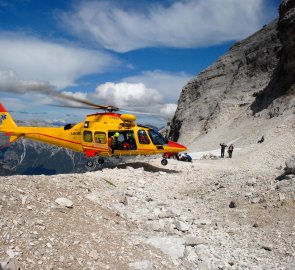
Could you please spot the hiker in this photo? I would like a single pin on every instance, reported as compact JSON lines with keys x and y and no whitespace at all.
{"x":223,"y":146}
{"x":230,"y":150}
{"x":113,"y":142}
{"x":185,"y":157}
{"x":188,"y":157}
{"x":261,"y":140}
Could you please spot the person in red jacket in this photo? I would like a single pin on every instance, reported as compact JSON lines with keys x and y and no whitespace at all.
{"x":113,"y":142}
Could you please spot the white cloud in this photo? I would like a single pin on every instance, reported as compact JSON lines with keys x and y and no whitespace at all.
{"x":168,"y":110}
{"x":41,"y":92}
{"x":150,"y":92}
{"x":10,"y":82}
{"x":32,"y":106}
{"x":168,"y":84}
{"x":125,"y":94}
{"x":182,"y":24}
{"x":76,"y":95}
{"x":50,"y":63}
{"x":134,"y":96}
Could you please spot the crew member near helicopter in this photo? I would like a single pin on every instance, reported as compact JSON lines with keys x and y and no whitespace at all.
{"x":113,"y":142}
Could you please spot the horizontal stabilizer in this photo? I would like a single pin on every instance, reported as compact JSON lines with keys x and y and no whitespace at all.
{"x":14,"y":138}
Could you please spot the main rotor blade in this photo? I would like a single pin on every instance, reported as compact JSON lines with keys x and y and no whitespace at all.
{"x":71,"y":106}
{"x":91,"y":108}
{"x":137,"y":112}
{"x":86,"y":102}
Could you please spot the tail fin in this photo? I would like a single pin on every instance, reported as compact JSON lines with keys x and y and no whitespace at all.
{"x":6,"y":121}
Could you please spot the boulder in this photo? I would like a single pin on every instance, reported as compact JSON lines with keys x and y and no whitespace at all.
{"x":290,"y":165}
{"x":65,"y":202}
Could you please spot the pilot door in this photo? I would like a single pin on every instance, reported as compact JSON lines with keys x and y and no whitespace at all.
{"x":145,"y":145}
{"x":158,"y":140}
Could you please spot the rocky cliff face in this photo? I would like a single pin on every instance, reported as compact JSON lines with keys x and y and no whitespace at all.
{"x":256,"y":77}
{"x":279,"y":95}
{"x":219,"y":92}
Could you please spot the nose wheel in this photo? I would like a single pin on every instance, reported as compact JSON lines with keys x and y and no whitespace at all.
{"x":164,"y":161}
{"x":89,"y":163}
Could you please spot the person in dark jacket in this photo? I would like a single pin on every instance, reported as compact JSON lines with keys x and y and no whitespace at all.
{"x":185,"y":157}
{"x":223,"y":146}
{"x":230,"y":150}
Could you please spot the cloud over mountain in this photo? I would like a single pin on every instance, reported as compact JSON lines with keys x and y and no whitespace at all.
{"x":127,"y":94}
{"x":182,"y":24}
{"x":134,"y":96}
{"x":169,"y":84}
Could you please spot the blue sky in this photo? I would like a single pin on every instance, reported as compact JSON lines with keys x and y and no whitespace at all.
{"x":131,"y":54}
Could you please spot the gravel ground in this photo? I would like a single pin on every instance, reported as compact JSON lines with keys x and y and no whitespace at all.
{"x":209,"y":214}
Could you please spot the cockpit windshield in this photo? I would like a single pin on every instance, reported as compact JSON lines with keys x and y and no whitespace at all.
{"x":157,"y":138}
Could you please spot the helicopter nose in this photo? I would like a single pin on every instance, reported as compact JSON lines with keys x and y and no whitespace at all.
{"x":177,"y":146}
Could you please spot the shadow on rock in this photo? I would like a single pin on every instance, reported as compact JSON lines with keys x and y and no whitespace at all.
{"x":147,"y":167}
{"x":281,"y":177}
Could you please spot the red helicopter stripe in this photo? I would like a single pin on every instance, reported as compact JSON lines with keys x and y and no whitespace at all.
{"x":52,"y":137}
{"x":64,"y":140}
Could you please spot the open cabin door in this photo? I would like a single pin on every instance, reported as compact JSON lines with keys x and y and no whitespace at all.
{"x":125,"y":143}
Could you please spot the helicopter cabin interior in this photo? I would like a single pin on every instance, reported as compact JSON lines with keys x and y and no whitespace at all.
{"x":127,"y":140}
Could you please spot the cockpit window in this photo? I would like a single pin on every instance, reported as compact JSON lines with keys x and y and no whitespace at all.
{"x":157,"y":138}
{"x":142,"y":137}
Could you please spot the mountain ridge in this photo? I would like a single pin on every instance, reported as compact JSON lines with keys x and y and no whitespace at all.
{"x":254,"y":79}
{"x":217,"y":93}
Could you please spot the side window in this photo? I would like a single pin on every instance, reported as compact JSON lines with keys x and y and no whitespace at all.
{"x":142,"y":137}
{"x":157,"y":138}
{"x":100,"y":137}
{"x":87,"y":136}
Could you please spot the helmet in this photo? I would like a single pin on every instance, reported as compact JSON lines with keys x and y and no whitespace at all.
{"x":116,"y":134}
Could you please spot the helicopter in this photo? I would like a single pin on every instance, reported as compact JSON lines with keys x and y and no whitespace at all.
{"x":92,"y":136}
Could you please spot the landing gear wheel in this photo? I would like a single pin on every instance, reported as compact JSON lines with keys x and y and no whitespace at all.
{"x":89,"y":163}
{"x":164,"y":161}
{"x":100,"y":160}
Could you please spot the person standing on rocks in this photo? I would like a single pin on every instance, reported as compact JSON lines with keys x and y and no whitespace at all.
{"x":230,"y":150}
{"x":223,"y":146}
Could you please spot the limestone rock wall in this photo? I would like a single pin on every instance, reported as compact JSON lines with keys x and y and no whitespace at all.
{"x":255,"y":79}
{"x":279,"y":95}
{"x":228,"y":87}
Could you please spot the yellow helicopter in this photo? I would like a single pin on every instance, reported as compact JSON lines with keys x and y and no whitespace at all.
{"x":102,"y":134}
